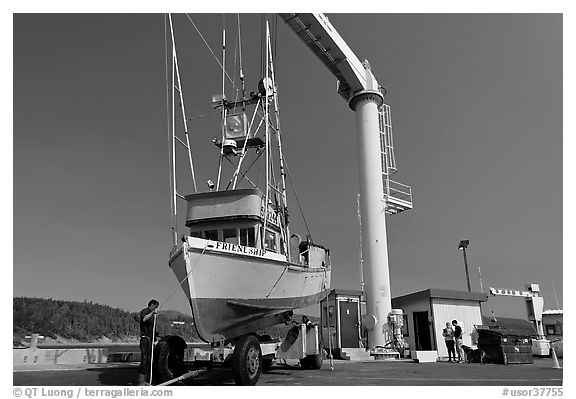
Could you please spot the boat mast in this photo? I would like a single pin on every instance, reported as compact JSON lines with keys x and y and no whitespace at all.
{"x":267,"y":139}
{"x":284,"y":211}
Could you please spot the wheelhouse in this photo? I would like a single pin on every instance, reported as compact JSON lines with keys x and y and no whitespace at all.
{"x":242,"y":217}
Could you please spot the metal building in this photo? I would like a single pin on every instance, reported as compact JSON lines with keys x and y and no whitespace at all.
{"x":553,"y":322}
{"x":340,"y":317}
{"x":426,"y":313}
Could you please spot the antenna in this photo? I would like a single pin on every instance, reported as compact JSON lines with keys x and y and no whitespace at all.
{"x":554,"y":290}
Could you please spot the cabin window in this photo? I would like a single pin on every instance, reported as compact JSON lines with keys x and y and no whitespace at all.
{"x":229,"y":236}
{"x":196,"y":234}
{"x":270,"y":241}
{"x":247,"y":237}
{"x":211,"y":235}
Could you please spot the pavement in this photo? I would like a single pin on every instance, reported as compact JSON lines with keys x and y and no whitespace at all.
{"x":345,"y":373}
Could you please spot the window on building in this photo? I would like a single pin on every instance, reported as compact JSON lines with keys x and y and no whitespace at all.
{"x":211,"y":235}
{"x":329,"y":316}
{"x":553,"y":329}
{"x":270,"y":241}
{"x":229,"y":236}
{"x":247,"y":237}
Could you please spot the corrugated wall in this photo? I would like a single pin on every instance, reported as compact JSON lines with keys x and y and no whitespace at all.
{"x":467,"y":313}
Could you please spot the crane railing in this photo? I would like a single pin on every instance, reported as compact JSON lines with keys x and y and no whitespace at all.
{"x":398,"y":196}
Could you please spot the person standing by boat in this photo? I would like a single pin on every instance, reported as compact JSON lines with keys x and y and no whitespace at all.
{"x":458,"y":341}
{"x":146,"y":333}
{"x":448,"y":334}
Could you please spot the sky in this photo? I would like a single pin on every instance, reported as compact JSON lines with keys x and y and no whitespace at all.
{"x":477,"y":116}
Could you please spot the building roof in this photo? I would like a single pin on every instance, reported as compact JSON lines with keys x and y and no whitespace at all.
{"x":344,"y":292}
{"x":553,"y":311}
{"x":441,"y":293}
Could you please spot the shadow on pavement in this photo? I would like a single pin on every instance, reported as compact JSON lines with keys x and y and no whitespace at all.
{"x":115,"y":376}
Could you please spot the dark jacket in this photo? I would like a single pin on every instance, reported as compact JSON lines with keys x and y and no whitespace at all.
{"x":146,"y":327}
{"x":457,"y":332}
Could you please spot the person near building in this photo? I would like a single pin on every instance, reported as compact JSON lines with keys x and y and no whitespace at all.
{"x":458,"y":341}
{"x":146,"y":334}
{"x":448,"y":334}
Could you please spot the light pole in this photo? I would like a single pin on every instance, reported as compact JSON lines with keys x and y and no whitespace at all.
{"x":463,"y":245}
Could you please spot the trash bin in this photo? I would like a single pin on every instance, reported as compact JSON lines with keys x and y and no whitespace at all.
{"x":505,"y":346}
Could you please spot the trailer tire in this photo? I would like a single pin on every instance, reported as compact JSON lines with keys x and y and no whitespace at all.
{"x":169,"y":358}
{"x":313,"y":362}
{"x":247,"y":361}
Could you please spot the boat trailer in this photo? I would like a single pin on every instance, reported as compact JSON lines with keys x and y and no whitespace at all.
{"x":248,"y":355}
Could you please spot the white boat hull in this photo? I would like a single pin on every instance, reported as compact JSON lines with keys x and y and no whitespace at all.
{"x":234,"y":290}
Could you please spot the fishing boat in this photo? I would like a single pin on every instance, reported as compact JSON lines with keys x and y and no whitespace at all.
{"x":238,"y":263}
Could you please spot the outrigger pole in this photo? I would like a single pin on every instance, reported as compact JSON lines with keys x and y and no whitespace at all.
{"x":176,"y":86}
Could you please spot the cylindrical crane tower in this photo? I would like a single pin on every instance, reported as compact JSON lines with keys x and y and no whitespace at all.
{"x":372,"y":207}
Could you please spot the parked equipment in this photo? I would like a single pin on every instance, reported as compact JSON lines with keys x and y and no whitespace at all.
{"x":534,"y":306}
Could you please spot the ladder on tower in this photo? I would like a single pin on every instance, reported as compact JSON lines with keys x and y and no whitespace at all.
{"x":398,"y":196}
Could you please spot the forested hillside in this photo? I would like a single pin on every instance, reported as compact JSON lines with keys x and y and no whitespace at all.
{"x":87,"y":321}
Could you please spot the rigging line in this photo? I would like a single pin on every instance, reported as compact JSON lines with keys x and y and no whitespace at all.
{"x":173,"y":227}
{"x":297,"y":199}
{"x":182,"y":108}
{"x":267,"y":141}
{"x":209,"y":48}
{"x":173,"y":130}
{"x":262,"y":19}
{"x":237,"y":49}
{"x":240,"y":53}
{"x":199,"y":116}
{"x":185,"y":278}
{"x":234,"y":90}
{"x":152,"y":344}
{"x":259,"y":168}
{"x":239,"y":179}
{"x":325,"y":288}
{"x":278,"y":280}
{"x":249,"y":181}
{"x":275,"y":38}
{"x":224,"y":110}
{"x":277,"y":130}
{"x":244,"y":149}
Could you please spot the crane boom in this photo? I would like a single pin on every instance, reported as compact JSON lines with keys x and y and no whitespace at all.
{"x":316,"y":31}
{"x":358,"y":86}
{"x":506,"y":292}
